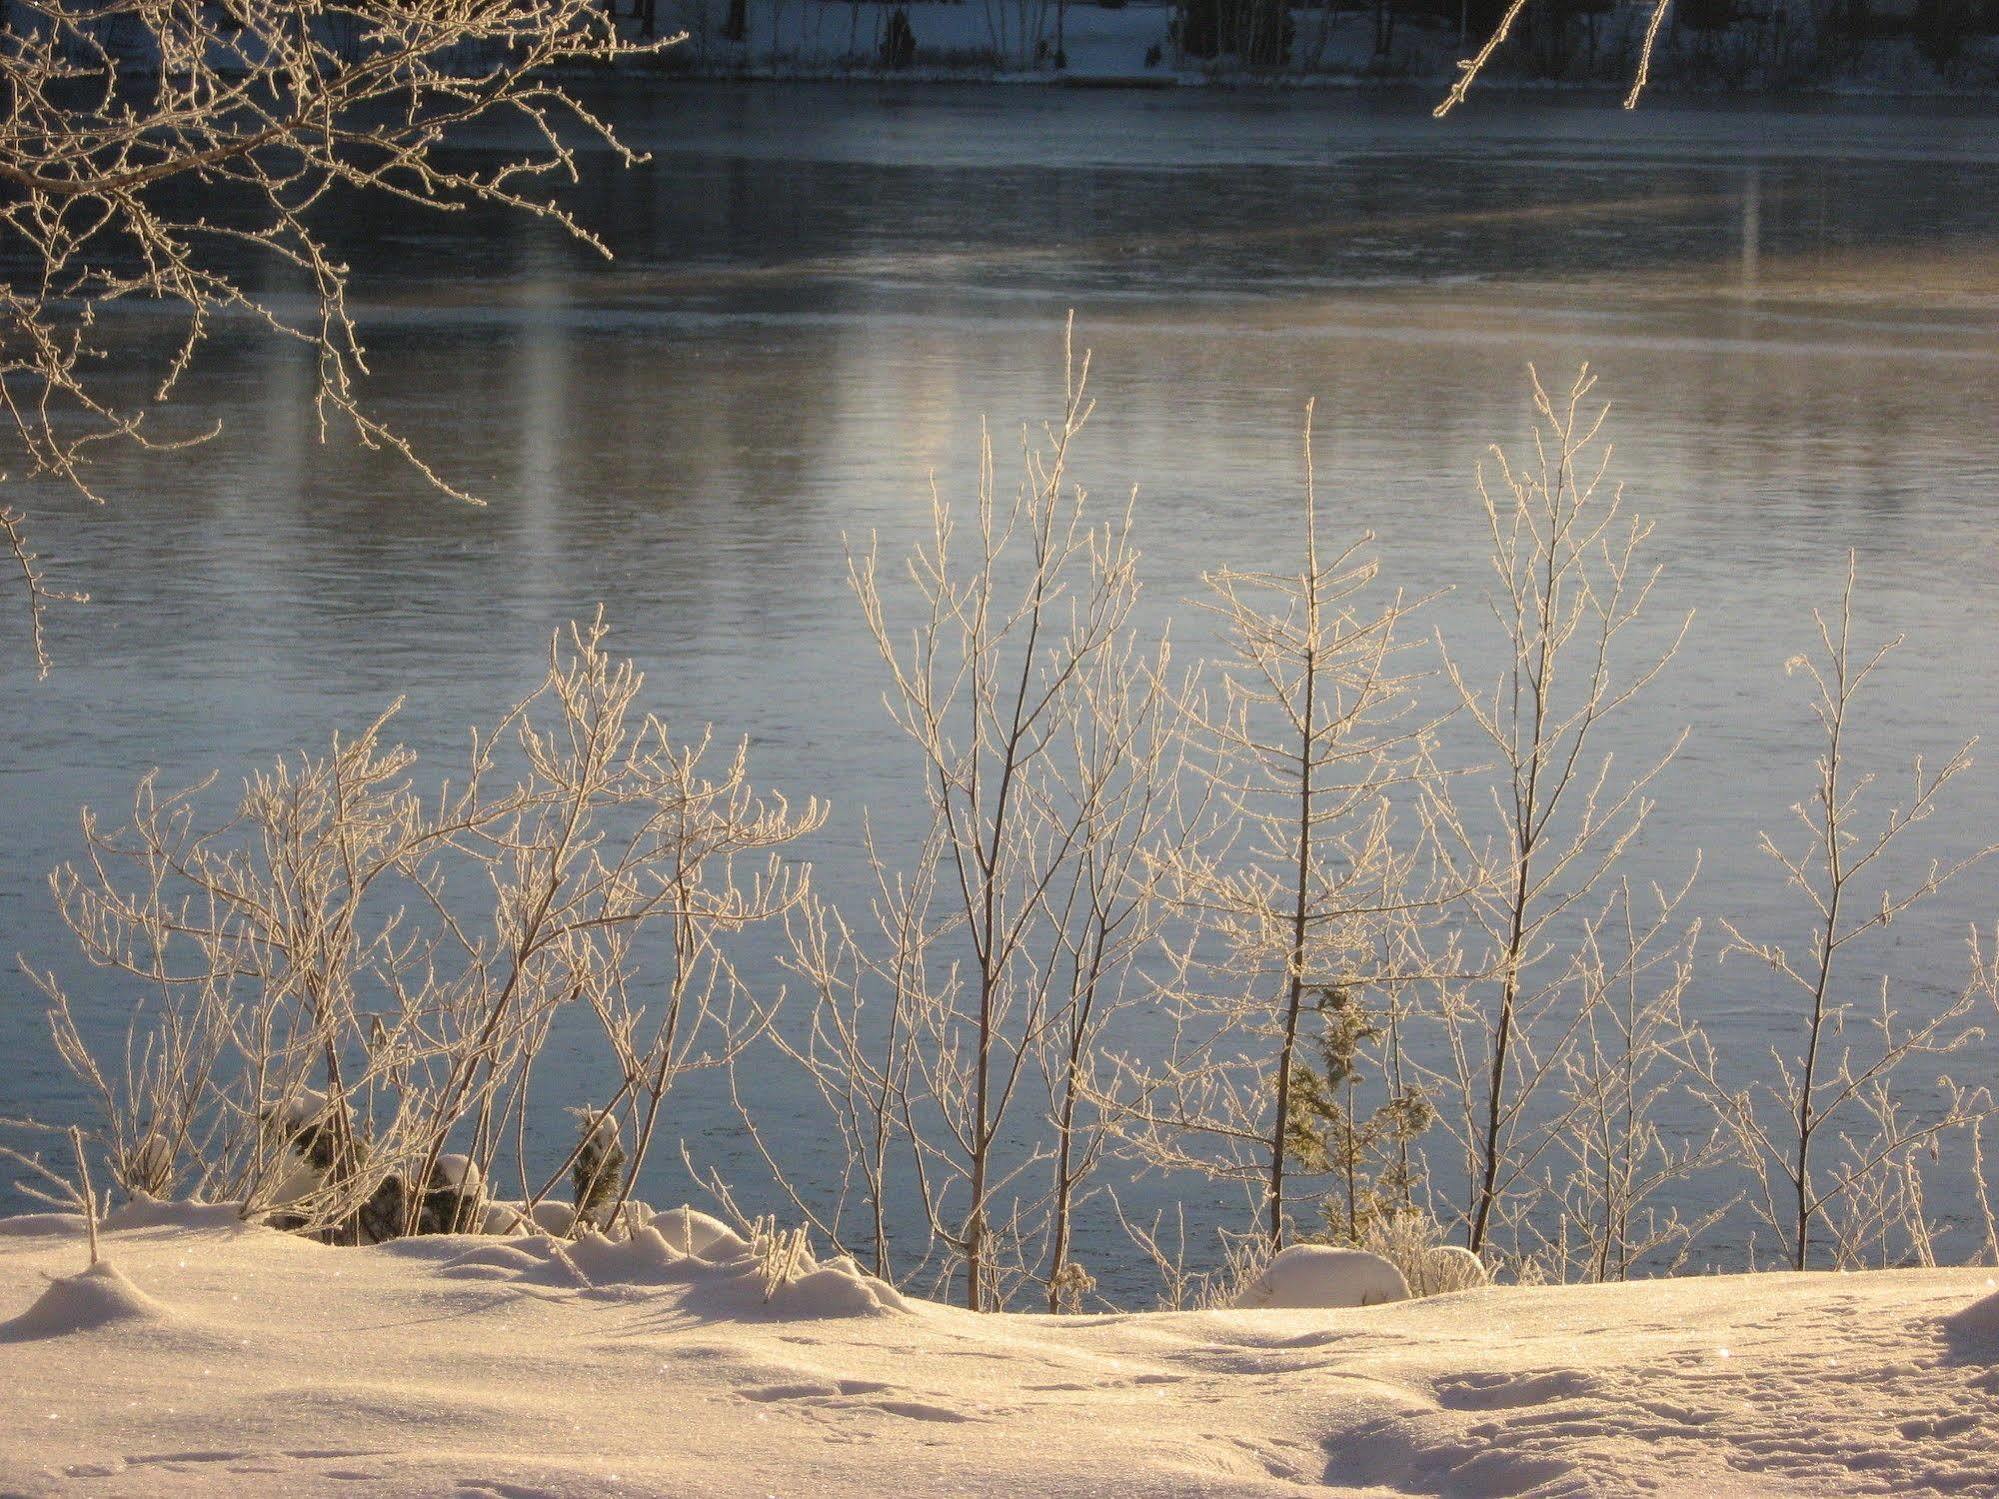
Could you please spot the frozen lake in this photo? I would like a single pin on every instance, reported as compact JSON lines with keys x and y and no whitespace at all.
{"x":818,"y":291}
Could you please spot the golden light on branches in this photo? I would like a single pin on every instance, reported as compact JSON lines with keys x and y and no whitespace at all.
{"x":159,"y":151}
{"x":1471,"y":67}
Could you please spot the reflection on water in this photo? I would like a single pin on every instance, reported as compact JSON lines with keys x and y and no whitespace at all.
{"x":817,"y":293}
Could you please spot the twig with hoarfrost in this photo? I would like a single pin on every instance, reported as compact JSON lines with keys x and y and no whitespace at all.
{"x":1839,"y":869}
{"x":1312,"y":732}
{"x":1572,"y":583}
{"x":171,"y":156}
{"x":367,"y":974}
{"x":1470,"y":68}
{"x":47,"y":1185}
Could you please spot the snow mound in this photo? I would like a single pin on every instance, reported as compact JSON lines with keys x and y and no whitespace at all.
{"x":644,"y":1259}
{"x":553,"y":1218}
{"x":538,"y":1260}
{"x":145,"y":1211}
{"x":726,"y":1279}
{"x":559,"y":1220}
{"x":1450,"y":1267}
{"x":99,"y":1297}
{"x":503,"y":1218}
{"x":694,"y":1232}
{"x":1977,"y":1323}
{"x":1318,"y":1275}
{"x":142,"y":1212}
{"x":838,"y":1289}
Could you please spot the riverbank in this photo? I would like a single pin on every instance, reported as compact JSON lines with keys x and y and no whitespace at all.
{"x":220,"y":1357}
{"x":1136,"y":45}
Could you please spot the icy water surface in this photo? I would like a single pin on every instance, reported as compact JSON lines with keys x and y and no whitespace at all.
{"x":817,"y":292}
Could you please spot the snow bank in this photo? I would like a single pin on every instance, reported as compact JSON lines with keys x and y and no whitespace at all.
{"x":145,"y":1211}
{"x":722,"y":1276}
{"x":812,"y":38}
{"x":95,"y":1298}
{"x":1132,"y":44}
{"x":1977,"y":1324}
{"x":1319,"y":1275}
{"x":693,"y":1232}
{"x":530,"y":1365}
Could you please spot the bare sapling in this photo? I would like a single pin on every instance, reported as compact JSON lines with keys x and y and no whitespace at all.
{"x":1310,"y":734}
{"x":1631,"y":1070}
{"x":1828,"y":1094}
{"x":712,"y":845}
{"x":857,"y":1053}
{"x":1571,"y":586}
{"x":989,"y":686}
{"x":1124,"y":764}
{"x":1015,"y":679}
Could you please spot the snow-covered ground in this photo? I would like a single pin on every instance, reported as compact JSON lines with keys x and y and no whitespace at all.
{"x":219,"y":1358}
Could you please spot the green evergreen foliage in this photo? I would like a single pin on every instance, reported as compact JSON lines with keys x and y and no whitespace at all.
{"x":600,"y":1165}
{"x":1331,"y":1132}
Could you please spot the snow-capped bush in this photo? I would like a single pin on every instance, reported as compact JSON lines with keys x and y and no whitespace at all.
{"x":1319,"y":1275}
{"x":1451,"y":1267}
{"x":1408,"y":1241}
{"x":694,"y":1232}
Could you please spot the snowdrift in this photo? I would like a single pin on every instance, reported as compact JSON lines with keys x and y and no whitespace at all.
{"x":1320,"y":1275}
{"x":723,"y":1276}
{"x":98,"y":1297}
{"x":205,"y":1356}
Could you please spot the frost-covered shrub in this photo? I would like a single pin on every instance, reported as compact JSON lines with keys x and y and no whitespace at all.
{"x":345,"y":979}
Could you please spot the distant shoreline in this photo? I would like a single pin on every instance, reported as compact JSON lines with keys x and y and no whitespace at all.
{"x":1136,"y":46}
{"x":1239,"y":83}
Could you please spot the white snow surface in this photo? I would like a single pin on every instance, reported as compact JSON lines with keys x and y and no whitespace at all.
{"x":1322,"y":1275}
{"x":460,"y":1172}
{"x":235,"y":1359}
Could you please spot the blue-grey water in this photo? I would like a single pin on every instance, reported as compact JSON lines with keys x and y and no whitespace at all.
{"x":817,"y":292}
